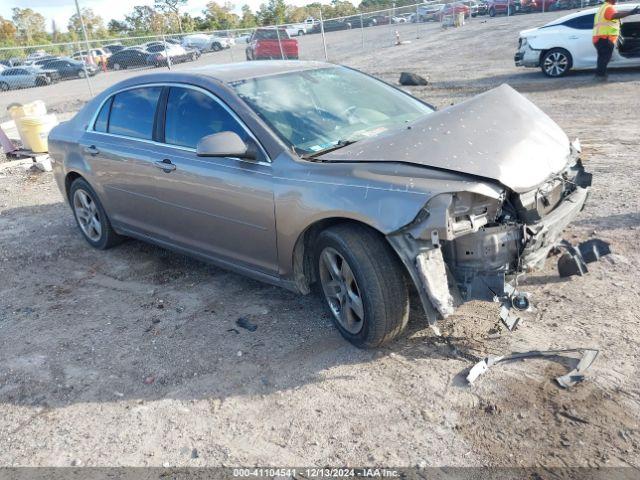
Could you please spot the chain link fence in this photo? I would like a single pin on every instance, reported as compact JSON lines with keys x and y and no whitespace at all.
{"x":74,"y":72}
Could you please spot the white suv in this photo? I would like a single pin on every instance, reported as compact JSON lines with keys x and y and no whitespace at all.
{"x":566,"y":43}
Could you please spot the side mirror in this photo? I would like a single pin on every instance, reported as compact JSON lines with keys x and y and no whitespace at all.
{"x":224,"y":144}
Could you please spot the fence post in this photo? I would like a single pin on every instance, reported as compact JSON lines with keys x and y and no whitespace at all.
{"x":362,"y":29}
{"x":166,"y":53}
{"x":324,"y":40}
{"x":279,"y":42}
{"x":417,"y":21}
{"x":86,"y":41}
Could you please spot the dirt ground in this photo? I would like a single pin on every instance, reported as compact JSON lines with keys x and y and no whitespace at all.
{"x":131,"y":357}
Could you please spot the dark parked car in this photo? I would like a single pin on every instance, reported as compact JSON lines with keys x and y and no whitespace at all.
{"x":332,"y":26}
{"x":69,"y":68}
{"x":127,"y":58}
{"x":307,"y":173}
{"x":114,"y":48}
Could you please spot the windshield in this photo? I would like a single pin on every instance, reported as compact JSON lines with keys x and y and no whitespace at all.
{"x":317,"y":110}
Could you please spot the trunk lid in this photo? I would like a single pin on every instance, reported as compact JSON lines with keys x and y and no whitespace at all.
{"x":498,"y":134}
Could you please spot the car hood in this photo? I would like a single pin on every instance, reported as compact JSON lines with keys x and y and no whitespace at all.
{"x":498,"y":135}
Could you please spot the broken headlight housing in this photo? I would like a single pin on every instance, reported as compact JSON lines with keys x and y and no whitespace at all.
{"x":450,"y":215}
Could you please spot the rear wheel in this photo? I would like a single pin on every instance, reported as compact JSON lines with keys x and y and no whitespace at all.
{"x":216,"y":47}
{"x":117,"y":66}
{"x":556,"y":62}
{"x":363,"y":285}
{"x":4,"y":86}
{"x":91,"y":217}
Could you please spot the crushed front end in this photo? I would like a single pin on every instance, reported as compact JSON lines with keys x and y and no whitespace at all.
{"x":465,"y":246}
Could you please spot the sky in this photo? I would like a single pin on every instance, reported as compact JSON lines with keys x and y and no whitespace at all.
{"x":61,"y":10}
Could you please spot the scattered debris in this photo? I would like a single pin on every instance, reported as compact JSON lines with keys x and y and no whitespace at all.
{"x":246,"y":324}
{"x":408,"y":78}
{"x":570,"y":379}
{"x":573,"y":417}
{"x":233,"y":330}
{"x":574,"y":259}
{"x":512,"y":300}
{"x":149,"y":380}
{"x":194,"y":453}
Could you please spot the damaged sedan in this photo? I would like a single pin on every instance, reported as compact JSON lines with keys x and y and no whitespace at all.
{"x":313,"y":176}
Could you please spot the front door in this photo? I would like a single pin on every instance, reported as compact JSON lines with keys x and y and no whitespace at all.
{"x":219,"y":207}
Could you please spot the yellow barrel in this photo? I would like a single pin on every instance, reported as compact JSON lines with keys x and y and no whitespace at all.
{"x":35,"y":130}
{"x":32,"y":109}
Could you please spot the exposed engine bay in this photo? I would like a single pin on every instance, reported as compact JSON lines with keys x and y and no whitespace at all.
{"x":465,"y":246}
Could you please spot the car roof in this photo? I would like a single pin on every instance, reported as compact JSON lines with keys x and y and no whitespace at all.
{"x":232,"y":72}
{"x":579,"y":13}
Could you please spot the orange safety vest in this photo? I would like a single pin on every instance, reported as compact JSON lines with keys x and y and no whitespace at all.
{"x":603,"y":27}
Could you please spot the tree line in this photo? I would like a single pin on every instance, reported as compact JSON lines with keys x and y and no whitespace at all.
{"x":28,"y":27}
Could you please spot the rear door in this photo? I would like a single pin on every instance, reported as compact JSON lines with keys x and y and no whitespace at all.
{"x":218,"y":207}
{"x":119,"y":149}
{"x":577,"y":33}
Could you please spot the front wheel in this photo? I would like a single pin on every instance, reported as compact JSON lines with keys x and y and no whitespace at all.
{"x":91,"y":217}
{"x":492,"y":12}
{"x":4,"y":86}
{"x":556,"y":62}
{"x":363,"y":285}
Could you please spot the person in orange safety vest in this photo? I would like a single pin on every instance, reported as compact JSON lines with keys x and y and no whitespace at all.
{"x":606,"y":30}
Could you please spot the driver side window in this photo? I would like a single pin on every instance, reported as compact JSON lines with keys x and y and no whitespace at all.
{"x":192,"y":115}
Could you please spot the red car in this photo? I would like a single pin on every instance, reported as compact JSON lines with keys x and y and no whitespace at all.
{"x":453,"y":9}
{"x":538,"y":5}
{"x":499,"y":7}
{"x":269,"y":44}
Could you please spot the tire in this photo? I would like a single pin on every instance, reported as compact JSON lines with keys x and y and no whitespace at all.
{"x":89,"y":214}
{"x":216,"y":47}
{"x":492,"y":12}
{"x":301,"y":33}
{"x":117,"y":66}
{"x":81,"y":74}
{"x":556,"y":63}
{"x":4,"y":87}
{"x":373,"y":308}
{"x":194,"y":57}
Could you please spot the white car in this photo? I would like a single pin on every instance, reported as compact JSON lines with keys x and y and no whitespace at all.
{"x":566,"y":43}
{"x":205,"y":42}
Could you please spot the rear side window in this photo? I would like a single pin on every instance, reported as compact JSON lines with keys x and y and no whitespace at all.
{"x":192,"y":115}
{"x":102,"y":121}
{"x":583,"y":22}
{"x":133,"y":112}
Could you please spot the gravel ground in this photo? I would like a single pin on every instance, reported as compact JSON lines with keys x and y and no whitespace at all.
{"x":132,"y":356}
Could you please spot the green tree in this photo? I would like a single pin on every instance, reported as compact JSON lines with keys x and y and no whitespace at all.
{"x":30,"y":25}
{"x":272,"y":12}
{"x":220,"y":17}
{"x":116,"y":27}
{"x":249,"y":19}
{"x":140,"y":20}
{"x":171,"y":7}
{"x":92,"y":22}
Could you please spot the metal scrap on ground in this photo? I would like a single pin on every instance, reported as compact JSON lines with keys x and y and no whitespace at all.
{"x":565,"y":381}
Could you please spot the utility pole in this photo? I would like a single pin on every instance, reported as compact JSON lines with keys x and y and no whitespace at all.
{"x":86,"y":41}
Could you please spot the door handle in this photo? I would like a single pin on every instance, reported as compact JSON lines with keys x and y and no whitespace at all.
{"x":91,"y":150}
{"x":165,"y":165}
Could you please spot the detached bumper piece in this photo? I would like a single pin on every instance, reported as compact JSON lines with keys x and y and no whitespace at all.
{"x":570,"y":379}
{"x":575,"y":259}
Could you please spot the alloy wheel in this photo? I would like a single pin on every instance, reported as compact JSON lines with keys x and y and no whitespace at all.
{"x":556,"y":64}
{"x":86,"y":212}
{"x":341,"y":290}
